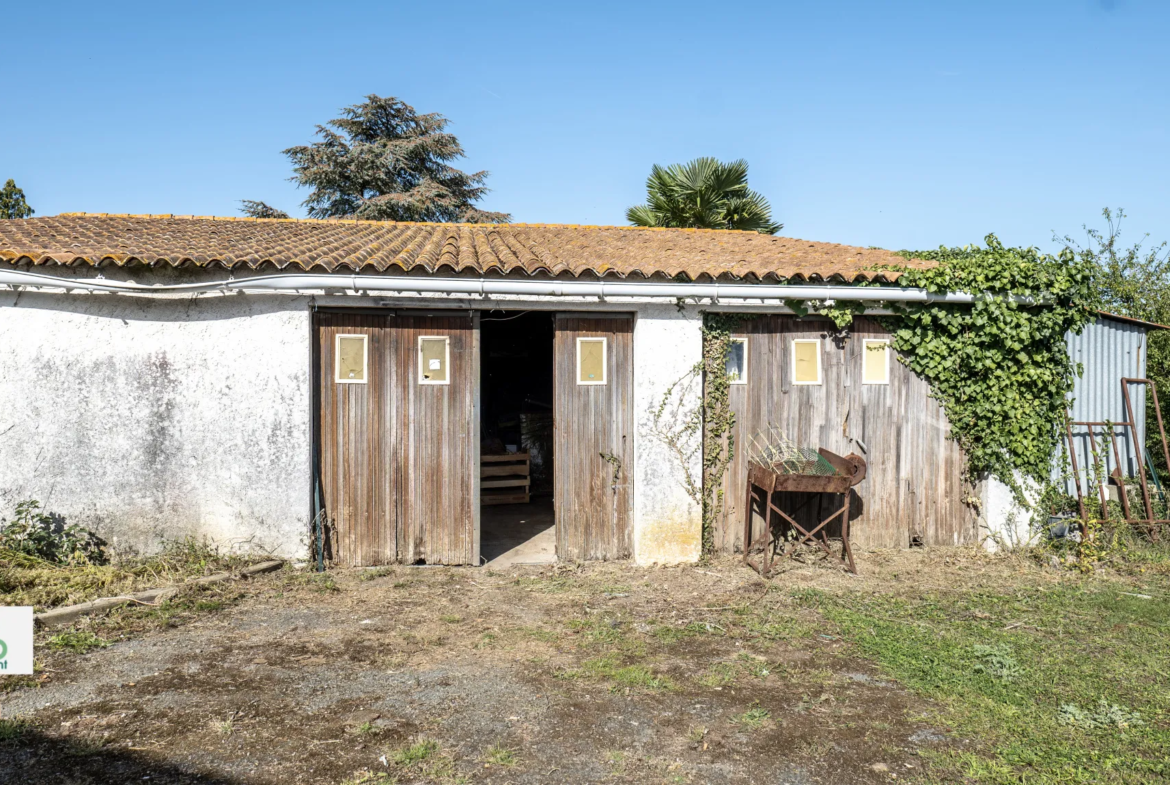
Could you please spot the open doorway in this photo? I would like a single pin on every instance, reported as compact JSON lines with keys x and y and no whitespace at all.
{"x":516,"y":439}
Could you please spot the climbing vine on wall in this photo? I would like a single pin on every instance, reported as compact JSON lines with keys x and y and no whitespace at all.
{"x":999,"y":367}
{"x":718,"y":418}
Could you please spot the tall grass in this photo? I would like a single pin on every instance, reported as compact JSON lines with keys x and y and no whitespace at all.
{"x":28,"y":580}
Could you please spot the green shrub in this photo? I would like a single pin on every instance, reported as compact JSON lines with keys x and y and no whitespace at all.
{"x":47,"y":537}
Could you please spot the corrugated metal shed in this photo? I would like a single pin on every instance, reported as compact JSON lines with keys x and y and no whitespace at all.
{"x":1109,"y":349}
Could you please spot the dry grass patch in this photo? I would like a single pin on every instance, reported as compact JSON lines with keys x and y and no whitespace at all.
{"x":28,"y":580}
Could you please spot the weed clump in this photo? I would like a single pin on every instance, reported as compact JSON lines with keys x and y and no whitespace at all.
{"x":754,"y":718}
{"x":77,"y":641}
{"x":499,"y":755}
{"x":28,"y":579}
{"x":607,"y":668}
{"x":997,"y":661}
{"x":415,"y":753}
{"x":1103,"y":715}
{"x":10,"y":730}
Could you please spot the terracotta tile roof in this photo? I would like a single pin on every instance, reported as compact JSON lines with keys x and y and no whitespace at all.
{"x":377,"y":246}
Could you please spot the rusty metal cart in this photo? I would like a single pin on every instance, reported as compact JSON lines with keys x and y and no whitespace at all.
{"x":805,"y":471}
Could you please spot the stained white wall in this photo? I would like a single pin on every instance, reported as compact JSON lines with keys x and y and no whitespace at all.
{"x":1005,"y":524}
{"x":668,"y":344}
{"x":151,"y":418}
{"x":146,"y":419}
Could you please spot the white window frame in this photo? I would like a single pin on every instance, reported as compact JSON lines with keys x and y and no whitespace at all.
{"x":865,"y":343}
{"x":365,"y":358}
{"x":820,"y":366}
{"x":743,"y":378}
{"x":446,"y":339}
{"x":604,"y":359}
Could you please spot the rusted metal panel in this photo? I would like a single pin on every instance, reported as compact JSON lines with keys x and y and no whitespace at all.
{"x":1107,"y":350}
{"x":914,"y":484}
{"x":399,"y":460}
{"x":593,"y":442}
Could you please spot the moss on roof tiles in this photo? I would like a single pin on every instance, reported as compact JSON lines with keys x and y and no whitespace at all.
{"x":616,"y":251}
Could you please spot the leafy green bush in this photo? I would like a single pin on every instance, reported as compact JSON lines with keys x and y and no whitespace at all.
{"x":47,"y":537}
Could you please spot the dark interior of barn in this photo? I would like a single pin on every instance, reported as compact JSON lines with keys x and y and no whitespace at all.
{"x":516,"y":440}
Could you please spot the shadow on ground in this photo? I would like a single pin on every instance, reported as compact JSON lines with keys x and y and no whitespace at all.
{"x":35,"y":758}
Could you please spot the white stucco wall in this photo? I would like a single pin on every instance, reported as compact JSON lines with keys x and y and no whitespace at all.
{"x":668,"y":344}
{"x":158,"y":418}
{"x":146,"y":419}
{"x":1005,"y":524}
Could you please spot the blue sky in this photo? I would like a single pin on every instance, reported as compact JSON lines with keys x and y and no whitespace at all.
{"x":894,"y":124}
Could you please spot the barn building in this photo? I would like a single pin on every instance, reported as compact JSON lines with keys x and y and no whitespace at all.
{"x":426,"y":392}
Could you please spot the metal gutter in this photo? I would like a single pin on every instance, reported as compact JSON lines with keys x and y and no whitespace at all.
{"x":486,"y":287}
{"x":1131,"y":320}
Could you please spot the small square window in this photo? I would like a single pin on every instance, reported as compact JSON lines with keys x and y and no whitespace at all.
{"x":591,"y":360}
{"x":806,"y":361}
{"x":434,"y":359}
{"x":876,"y":362}
{"x":352,"y":357}
{"x":737,"y":359}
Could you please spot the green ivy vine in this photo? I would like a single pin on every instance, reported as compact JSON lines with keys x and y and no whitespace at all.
{"x":718,"y":418}
{"x":999,"y":367}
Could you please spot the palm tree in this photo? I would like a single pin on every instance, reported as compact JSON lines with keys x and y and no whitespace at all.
{"x":703,"y":194}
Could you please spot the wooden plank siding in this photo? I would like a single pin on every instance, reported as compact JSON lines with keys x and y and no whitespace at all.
{"x":358,"y":479}
{"x":437,"y":444}
{"x":914,"y":484}
{"x":593,"y":513}
{"x":399,"y":460}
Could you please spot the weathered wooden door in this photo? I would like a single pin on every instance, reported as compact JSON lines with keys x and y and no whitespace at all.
{"x":594,"y":438}
{"x":436,"y":443}
{"x":399,"y":436}
{"x":358,"y":482}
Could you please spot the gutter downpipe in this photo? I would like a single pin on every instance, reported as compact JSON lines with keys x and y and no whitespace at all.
{"x":484,"y":287}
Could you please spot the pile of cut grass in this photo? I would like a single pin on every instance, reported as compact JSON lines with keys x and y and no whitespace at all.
{"x":27,"y":580}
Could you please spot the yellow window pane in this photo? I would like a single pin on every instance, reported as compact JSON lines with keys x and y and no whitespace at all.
{"x":876,"y":366}
{"x":591,"y":361}
{"x":351,"y":358}
{"x":433,"y":360}
{"x":806,"y":362}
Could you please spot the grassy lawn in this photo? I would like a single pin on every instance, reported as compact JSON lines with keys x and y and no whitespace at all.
{"x":932,"y":666}
{"x":1060,"y":683}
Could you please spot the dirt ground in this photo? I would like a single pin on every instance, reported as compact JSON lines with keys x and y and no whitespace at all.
{"x":596,"y":673}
